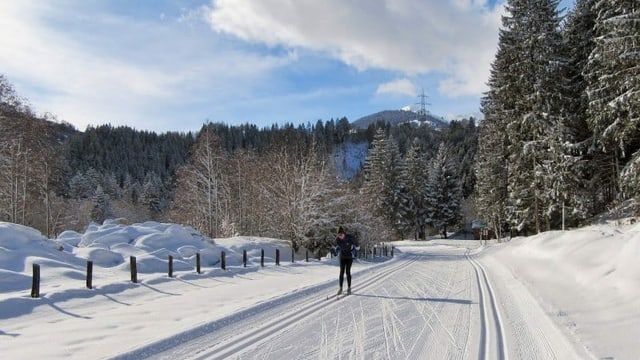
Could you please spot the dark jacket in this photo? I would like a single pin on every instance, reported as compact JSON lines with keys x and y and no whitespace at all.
{"x":347,"y":247}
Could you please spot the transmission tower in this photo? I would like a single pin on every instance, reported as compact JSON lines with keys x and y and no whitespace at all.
{"x":422,"y":111}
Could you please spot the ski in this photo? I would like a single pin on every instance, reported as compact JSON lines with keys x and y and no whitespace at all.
{"x":336,"y":296}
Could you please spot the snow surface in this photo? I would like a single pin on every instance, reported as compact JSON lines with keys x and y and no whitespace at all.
{"x":556,"y":295}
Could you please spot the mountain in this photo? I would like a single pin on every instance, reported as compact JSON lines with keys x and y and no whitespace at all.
{"x":396,"y":117}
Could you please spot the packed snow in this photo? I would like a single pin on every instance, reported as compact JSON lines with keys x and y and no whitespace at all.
{"x":556,"y":295}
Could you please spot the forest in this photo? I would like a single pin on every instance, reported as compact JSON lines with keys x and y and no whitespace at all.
{"x":288,"y":182}
{"x":560,"y":139}
{"x":559,"y":143}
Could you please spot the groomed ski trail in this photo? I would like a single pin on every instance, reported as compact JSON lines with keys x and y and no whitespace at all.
{"x":429,"y":302}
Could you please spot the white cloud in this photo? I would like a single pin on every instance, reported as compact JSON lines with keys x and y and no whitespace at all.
{"x":413,"y":37}
{"x":91,"y":67}
{"x":401,"y":86}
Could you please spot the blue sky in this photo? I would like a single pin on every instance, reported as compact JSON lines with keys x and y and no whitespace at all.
{"x":171,"y":65}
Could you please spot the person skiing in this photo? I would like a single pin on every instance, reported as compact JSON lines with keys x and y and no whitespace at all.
{"x":346,"y":247}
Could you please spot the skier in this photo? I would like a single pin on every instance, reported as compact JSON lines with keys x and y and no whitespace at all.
{"x":346,"y":247}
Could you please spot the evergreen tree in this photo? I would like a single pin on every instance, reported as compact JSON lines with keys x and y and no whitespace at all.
{"x":152,"y":194}
{"x":101,"y":206}
{"x":384,"y":184}
{"x":523,"y":103}
{"x":613,"y":74}
{"x":536,"y":114}
{"x":498,"y":107}
{"x":576,"y":158}
{"x":444,"y":191}
{"x":417,"y":175}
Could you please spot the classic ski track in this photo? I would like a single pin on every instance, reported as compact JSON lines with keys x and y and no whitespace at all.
{"x":437,"y":316}
{"x":486,"y":294}
{"x":436,"y":319}
{"x":308,"y":305}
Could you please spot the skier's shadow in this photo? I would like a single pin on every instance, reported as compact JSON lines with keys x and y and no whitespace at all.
{"x":444,"y":300}
{"x":2,"y":333}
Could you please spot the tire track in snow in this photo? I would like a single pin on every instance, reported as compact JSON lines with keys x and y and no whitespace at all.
{"x":488,"y":304}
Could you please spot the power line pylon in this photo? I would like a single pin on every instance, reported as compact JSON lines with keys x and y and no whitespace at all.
{"x":422,"y":111}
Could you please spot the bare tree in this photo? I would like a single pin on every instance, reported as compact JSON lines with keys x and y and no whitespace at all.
{"x":297,"y":192}
{"x":202,"y":193}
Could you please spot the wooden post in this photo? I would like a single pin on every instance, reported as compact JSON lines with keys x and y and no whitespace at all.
{"x":89,"y":274}
{"x":134,"y":269}
{"x":35,"y":283}
{"x":262,"y":257}
{"x":392,"y":251}
{"x":292,"y":256}
{"x":244,"y":257}
{"x":198,"y":263}
{"x":277,"y":257}
{"x":170,"y":266}
{"x":223,"y":264}
{"x":306,"y":256}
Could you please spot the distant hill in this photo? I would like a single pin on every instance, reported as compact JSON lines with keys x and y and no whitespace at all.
{"x":396,"y":117}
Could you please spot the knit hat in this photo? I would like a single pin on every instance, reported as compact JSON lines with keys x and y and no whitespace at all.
{"x":340,"y":230}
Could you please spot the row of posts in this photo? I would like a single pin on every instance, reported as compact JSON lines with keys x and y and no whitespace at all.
{"x":35,"y":284}
{"x":377,"y":251}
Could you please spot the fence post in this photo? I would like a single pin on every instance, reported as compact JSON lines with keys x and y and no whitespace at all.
{"x":292,"y":256}
{"x":391,"y":251}
{"x":244,"y":257}
{"x":170,"y":266}
{"x":306,"y":256}
{"x":134,"y":269}
{"x":35,"y":284}
{"x":223,"y":264}
{"x":278,"y":257}
{"x":262,"y":257}
{"x":198,"y":263}
{"x":89,"y":274}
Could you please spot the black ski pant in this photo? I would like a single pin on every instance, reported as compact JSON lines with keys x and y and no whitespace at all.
{"x":345,"y":265}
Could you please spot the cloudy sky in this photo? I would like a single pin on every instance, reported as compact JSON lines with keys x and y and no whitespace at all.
{"x":171,"y":65}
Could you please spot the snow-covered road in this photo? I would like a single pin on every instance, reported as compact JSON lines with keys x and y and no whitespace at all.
{"x":429,"y":302}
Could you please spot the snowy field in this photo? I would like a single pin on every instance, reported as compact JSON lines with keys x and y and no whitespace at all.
{"x":556,"y":295}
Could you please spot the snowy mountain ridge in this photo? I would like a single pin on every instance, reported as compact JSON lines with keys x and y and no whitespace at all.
{"x":397,"y":117}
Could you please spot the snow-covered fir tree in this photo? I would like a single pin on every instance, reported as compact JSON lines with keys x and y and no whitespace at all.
{"x":579,"y":159}
{"x":416,"y":167}
{"x":384,"y":184}
{"x":444,"y":194}
{"x":492,"y":175}
{"x":613,"y":73}
{"x":535,"y":26}
{"x":101,"y":206}
{"x":524,"y":102}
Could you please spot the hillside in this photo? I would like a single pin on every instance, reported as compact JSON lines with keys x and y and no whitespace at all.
{"x":395,"y":117}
